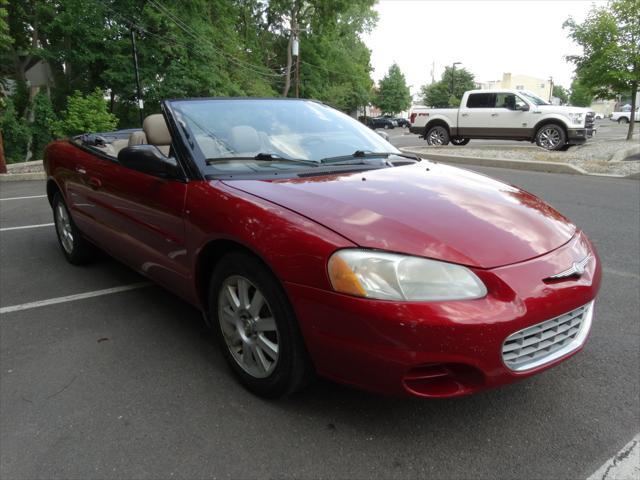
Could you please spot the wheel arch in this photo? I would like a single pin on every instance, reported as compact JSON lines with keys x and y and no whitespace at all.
{"x":52,"y":189}
{"x":434,"y":123}
{"x":210,"y":255}
{"x":549,"y":121}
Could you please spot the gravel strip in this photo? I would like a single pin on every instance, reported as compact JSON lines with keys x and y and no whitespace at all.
{"x":593,"y":157}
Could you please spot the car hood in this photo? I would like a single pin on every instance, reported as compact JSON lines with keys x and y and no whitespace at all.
{"x":562,"y":109}
{"x":426,"y":209}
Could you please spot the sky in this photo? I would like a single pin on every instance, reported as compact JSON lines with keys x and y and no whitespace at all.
{"x":489,"y":38}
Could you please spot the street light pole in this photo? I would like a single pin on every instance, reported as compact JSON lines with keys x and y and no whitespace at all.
{"x":453,"y":76}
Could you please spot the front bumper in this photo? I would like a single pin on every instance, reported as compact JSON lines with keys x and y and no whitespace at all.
{"x":441,"y":349}
{"x":580,"y":135}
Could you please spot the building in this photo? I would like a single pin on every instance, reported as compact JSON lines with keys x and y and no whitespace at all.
{"x":539,"y":86}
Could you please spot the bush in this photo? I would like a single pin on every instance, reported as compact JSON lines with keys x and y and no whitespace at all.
{"x":85,"y":114}
{"x":15,"y":133}
{"x":44,"y":120}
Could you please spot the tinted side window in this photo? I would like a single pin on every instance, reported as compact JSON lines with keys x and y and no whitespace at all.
{"x":481,"y":100}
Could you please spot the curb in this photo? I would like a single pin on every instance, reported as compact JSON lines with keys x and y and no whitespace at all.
{"x":529,"y":165}
{"x":621,"y":154}
{"x":17,"y":177}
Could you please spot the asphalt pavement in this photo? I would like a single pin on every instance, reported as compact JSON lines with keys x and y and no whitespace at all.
{"x":131,"y":384}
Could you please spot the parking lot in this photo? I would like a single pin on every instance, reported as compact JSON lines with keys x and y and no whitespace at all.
{"x":130,"y":384}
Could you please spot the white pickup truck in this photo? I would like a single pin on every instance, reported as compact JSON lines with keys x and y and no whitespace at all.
{"x":505,"y":115}
{"x":624,"y":116}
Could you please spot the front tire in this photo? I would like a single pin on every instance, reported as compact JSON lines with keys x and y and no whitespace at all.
{"x":623,"y":120}
{"x":76,"y":249}
{"x":437,"y":136}
{"x":459,"y":141}
{"x":258,"y":331}
{"x":551,"y":137}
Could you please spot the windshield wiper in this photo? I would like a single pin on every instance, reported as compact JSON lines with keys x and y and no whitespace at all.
{"x":357,"y":156}
{"x":261,"y":157}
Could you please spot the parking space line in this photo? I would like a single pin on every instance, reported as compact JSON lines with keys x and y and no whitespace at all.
{"x":21,"y":198}
{"x":72,"y":298}
{"x":624,"y":465}
{"x":6,"y":229}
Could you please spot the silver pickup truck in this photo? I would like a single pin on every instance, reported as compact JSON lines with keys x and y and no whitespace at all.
{"x":505,"y":115}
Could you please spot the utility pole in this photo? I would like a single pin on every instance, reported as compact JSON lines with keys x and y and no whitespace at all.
{"x":135,"y":66}
{"x":453,"y":76}
{"x":295,"y":51}
{"x":550,"y":88}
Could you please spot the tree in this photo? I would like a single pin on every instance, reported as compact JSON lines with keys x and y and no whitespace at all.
{"x":580,"y":95}
{"x":610,"y":62}
{"x":85,"y":114}
{"x":561,"y":93}
{"x":393,"y":94}
{"x":439,"y":94}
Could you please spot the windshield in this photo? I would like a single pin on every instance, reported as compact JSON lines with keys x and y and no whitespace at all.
{"x":240,"y":134}
{"x":533,"y":98}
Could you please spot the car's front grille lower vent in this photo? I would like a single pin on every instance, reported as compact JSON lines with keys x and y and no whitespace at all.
{"x":542,"y":343}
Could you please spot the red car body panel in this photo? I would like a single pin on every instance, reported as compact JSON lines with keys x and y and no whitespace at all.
{"x":509,"y":238}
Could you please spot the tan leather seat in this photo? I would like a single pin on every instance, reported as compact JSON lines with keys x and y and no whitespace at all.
{"x":137,"y":138}
{"x":157,"y":133}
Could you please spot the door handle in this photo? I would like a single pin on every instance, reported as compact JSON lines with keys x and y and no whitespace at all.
{"x":95,"y":182}
{"x":465,"y":114}
{"x":494,"y":114}
{"x":81,"y":170}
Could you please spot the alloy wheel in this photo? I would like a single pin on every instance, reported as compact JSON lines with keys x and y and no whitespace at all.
{"x":437,"y":136}
{"x":549,"y":138}
{"x":63,"y":226}
{"x":248,"y":326}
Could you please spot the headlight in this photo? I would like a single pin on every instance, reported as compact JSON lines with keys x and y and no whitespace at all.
{"x":388,"y":276}
{"x":575,"y":118}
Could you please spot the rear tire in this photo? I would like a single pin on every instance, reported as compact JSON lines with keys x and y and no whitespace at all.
{"x":437,"y":136}
{"x":551,"y":137}
{"x":623,"y":120}
{"x":76,"y":249}
{"x":258,"y":331}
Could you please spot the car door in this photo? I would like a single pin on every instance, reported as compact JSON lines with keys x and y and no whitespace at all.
{"x":142,"y":221}
{"x":475,"y":117}
{"x":509,"y":119}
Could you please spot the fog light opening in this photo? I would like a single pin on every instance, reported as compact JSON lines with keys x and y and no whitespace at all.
{"x":443,"y":380}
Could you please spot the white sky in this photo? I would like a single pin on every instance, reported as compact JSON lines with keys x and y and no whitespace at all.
{"x":487,"y":37}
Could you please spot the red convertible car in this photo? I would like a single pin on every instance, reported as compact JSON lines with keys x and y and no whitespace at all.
{"x":314,"y":246}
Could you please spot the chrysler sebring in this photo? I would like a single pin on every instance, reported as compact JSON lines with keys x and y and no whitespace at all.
{"x":312,"y":245}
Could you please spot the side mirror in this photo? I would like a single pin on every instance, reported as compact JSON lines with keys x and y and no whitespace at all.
{"x":148,"y":159}
{"x":523,"y":108}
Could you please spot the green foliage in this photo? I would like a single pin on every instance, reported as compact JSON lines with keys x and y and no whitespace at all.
{"x":439,"y":94}
{"x":44,"y":120}
{"x":85,"y":114}
{"x":561,"y":93}
{"x":610,"y":39}
{"x":581,"y":95}
{"x":15,"y":133}
{"x":5,"y":39}
{"x":185,"y":49}
{"x":393,"y":93}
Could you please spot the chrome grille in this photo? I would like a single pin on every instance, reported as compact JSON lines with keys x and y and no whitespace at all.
{"x":542,"y":343}
{"x":589,"y":120}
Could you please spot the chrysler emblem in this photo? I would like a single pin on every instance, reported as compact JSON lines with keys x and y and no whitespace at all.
{"x":576,"y":269}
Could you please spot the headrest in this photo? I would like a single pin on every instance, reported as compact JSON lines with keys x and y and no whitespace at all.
{"x":244,"y":139}
{"x":137,"y":138}
{"x":156,"y":130}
